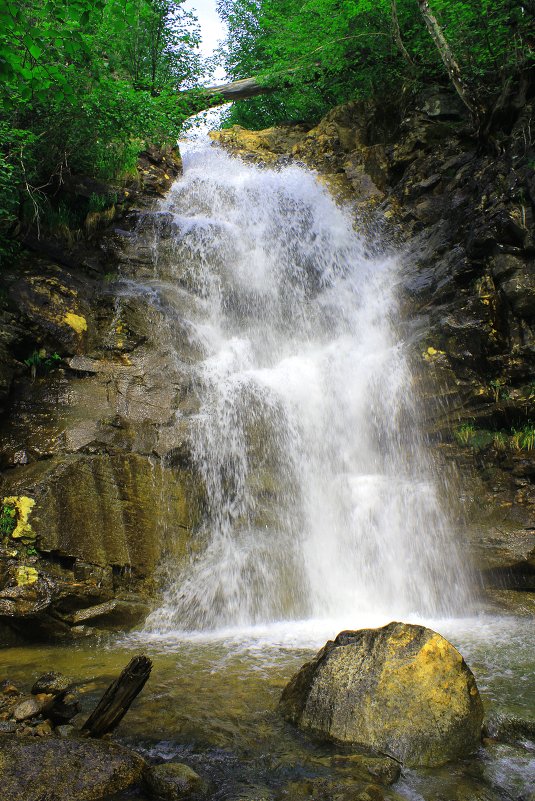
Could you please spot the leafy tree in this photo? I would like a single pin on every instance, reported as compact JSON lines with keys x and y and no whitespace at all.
{"x":159,"y":48}
{"x":372,"y":48}
{"x":84,"y":85}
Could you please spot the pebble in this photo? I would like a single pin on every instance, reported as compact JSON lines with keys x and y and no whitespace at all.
{"x":28,"y":708}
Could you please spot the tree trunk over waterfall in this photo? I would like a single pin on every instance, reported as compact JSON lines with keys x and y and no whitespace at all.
{"x":454,"y":71}
{"x":237,"y":90}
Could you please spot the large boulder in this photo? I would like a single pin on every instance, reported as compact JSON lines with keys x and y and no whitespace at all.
{"x":34,"y":769}
{"x":402,"y":690}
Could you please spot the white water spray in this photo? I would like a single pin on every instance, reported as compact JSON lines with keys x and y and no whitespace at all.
{"x":320,"y":499}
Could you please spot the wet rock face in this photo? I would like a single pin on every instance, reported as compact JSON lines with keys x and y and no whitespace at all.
{"x":32,"y":769}
{"x":402,"y":690}
{"x":97,"y":485}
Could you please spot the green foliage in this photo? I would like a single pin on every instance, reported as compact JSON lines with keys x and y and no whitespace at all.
{"x":101,"y":202}
{"x":499,"y":390}
{"x":8,"y":520}
{"x":350,"y":50}
{"x":515,"y":439}
{"x":84,"y":85}
{"x":524,"y":438}
{"x":500,"y":441}
{"x":465,"y":433}
{"x":39,"y":360}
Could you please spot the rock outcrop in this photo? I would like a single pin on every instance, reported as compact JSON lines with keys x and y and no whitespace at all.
{"x":402,"y":690}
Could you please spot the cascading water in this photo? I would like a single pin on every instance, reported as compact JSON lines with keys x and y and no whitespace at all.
{"x":321,"y":502}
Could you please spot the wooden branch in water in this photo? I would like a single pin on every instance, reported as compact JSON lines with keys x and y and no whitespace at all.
{"x":118,"y":698}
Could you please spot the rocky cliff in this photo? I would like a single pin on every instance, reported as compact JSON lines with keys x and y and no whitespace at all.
{"x":95,"y":469}
{"x":461,"y":217}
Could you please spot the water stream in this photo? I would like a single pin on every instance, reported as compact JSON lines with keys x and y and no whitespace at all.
{"x":324,"y":508}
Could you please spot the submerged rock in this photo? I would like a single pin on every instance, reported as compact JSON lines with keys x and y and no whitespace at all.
{"x":173,"y":781}
{"x":363,"y":766}
{"x":402,"y":690}
{"x":321,"y":789}
{"x":32,"y":769}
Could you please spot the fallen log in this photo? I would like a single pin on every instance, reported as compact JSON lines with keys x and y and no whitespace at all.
{"x":118,"y":698}
{"x":238,"y":90}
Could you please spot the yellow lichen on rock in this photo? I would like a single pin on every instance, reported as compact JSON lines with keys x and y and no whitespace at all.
{"x":23,"y":506}
{"x":26,"y":575}
{"x":432,"y":354}
{"x":76,"y":322}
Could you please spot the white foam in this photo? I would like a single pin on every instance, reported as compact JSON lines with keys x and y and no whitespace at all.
{"x":321,"y":502}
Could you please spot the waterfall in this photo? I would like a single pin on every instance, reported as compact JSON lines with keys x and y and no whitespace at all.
{"x":321,"y":499}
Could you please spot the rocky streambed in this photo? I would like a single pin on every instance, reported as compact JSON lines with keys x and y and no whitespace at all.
{"x":213,"y":706}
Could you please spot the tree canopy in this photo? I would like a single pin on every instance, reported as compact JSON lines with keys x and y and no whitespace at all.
{"x":84,"y":84}
{"x":367,"y":48}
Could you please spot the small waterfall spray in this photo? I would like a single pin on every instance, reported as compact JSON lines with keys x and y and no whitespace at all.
{"x":321,"y":501}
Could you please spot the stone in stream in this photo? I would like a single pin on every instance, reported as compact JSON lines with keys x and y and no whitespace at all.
{"x":53,"y":683}
{"x":34,"y":769}
{"x":382,"y":769}
{"x":402,"y":690}
{"x":322,"y":789}
{"x":173,"y":781}
{"x":26,"y":709}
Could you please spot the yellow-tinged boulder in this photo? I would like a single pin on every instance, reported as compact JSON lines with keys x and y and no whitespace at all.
{"x":26,"y":575}
{"x":402,"y":690}
{"x":265,"y":146}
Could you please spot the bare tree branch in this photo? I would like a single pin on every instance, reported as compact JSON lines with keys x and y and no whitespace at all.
{"x":454,"y":71}
{"x":397,"y":33}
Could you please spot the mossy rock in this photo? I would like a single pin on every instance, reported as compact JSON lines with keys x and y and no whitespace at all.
{"x":402,"y":690}
{"x":113,"y":510}
{"x":33,"y":769}
{"x":173,"y":781}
